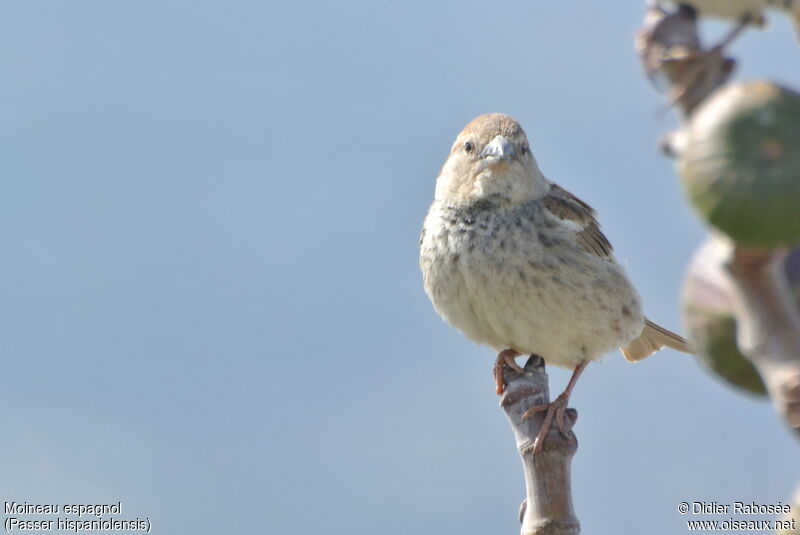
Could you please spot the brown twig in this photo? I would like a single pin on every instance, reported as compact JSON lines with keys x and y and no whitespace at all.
{"x":547,"y":509}
{"x":671,"y":54}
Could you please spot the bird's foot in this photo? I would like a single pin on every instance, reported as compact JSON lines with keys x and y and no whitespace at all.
{"x":505,"y":358}
{"x":556,"y":411}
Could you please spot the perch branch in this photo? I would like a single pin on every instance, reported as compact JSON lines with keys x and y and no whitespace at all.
{"x":547,"y":509}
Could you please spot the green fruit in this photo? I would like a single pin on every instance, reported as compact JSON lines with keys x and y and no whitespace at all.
{"x":709,"y":322}
{"x":708,"y":316}
{"x":741,"y":164}
{"x":720,"y":355}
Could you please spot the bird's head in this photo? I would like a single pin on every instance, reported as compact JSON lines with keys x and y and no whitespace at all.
{"x":491,"y":156}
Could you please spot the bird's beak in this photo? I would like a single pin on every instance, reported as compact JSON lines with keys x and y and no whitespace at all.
{"x":498,"y":150}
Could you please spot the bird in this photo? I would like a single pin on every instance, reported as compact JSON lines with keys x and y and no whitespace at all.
{"x":516,"y":262}
{"x":744,"y":11}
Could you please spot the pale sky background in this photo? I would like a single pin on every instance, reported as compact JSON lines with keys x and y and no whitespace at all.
{"x":211,"y":305}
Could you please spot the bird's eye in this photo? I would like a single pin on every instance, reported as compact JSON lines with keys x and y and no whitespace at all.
{"x":468,"y":147}
{"x":524,"y":149}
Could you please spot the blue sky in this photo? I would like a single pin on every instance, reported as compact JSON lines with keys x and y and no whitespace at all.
{"x":212,"y":309}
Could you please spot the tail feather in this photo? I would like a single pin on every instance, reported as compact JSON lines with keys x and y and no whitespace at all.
{"x":653,"y":338}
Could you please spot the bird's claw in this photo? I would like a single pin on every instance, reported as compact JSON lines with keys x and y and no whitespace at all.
{"x":555,"y":410}
{"x":505,"y":358}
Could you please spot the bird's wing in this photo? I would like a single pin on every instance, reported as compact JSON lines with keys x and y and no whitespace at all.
{"x":567,"y":207}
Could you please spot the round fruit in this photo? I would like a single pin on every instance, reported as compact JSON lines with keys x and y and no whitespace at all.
{"x":741,"y":163}
{"x":709,"y":322}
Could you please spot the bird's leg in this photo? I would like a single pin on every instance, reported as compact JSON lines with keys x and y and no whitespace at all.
{"x":555,"y":409}
{"x":505,"y":358}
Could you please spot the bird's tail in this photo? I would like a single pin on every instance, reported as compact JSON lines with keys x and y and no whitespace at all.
{"x":653,"y":338}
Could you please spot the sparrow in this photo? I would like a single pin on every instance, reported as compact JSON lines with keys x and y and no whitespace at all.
{"x":518,"y":263}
